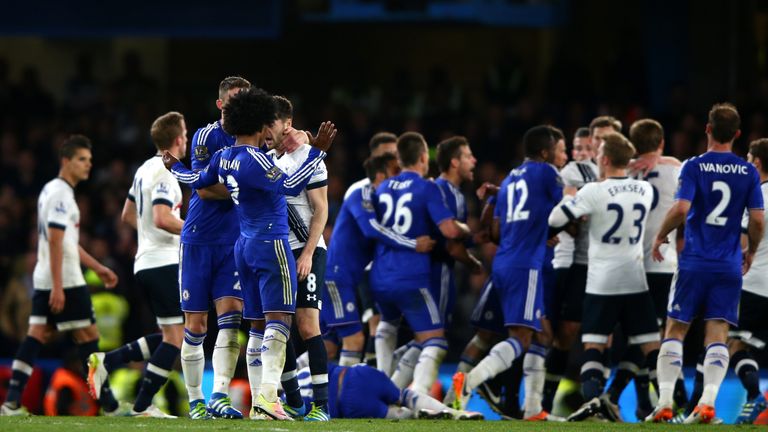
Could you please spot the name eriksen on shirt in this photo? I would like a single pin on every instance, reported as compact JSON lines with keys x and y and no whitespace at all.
{"x":635,"y":188}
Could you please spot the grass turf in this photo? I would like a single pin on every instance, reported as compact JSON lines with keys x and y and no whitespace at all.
{"x":111,"y":424}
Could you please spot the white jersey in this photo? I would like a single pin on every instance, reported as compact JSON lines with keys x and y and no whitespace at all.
{"x":153,"y":185}
{"x":618,"y":210}
{"x":300,"y":210}
{"x":756,"y":279}
{"x":575,"y":174}
{"x":663,"y":179}
{"x":57,"y":208}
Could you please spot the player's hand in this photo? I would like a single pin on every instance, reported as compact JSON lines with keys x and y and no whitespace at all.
{"x":573,"y":229}
{"x":476,"y":266}
{"x":644,"y":164}
{"x":424,"y":244}
{"x":748,"y":257}
{"x":485,"y":190}
{"x":553,"y":241}
{"x":293,"y":139}
{"x":304,"y":266}
{"x":107,"y":276}
{"x":481,"y":237}
{"x":169,"y":160}
{"x":656,"y":251}
{"x":56,"y":300}
{"x":325,"y":136}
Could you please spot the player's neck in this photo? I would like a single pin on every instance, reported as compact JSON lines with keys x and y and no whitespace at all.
{"x":452,"y":177}
{"x":717,"y":147}
{"x":612,"y":172}
{"x":251,"y":140}
{"x":414,"y":169}
{"x":69,"y":178}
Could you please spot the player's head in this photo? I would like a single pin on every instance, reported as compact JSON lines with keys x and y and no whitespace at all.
{"x":383,"y":142}
{"x":545,"y":143}
{"x":284,"y":107}
{"x":647,"y":135}
{"x":582,"y":145}
{"x":380,"y":168}
{"x":724,"y":122}
{"x":412,"y":152}
{"x":758,"y":154}
{"x":76,"y":159}
{"x":454,"y":154}
{"x":615,"y":151}
{"x":249,"y":112}
{"x":228,"y":87}
{"x":169,"y":132}
{"x":601,"y":126}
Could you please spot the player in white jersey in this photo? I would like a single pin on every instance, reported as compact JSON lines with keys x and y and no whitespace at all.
{"x":152,"y":208}
{"x":616,"y":292}
{"x":752,"y":332}
{"x":61,"y":301}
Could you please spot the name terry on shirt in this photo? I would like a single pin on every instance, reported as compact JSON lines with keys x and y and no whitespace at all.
{"x":723,"y":168}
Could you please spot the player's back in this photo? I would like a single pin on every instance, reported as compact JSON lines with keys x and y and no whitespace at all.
{"x":349,"y":251}
{"x":720,"y":187}
{"x":526,"y":198}
{"x":411,"y":206}
{"x":209,"y":221}
{"x":154,"y":185}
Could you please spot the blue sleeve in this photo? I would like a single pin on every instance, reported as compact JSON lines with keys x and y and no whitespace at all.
{"x":265,"y":175}
{"x":203,"y":147}
{"x":365,"y":217}
{"x":686,"y":184}
{"x":755,"y":198}
{"x":201,"y":179}
{"x":555,"y":187}
{"x":436,"y":207}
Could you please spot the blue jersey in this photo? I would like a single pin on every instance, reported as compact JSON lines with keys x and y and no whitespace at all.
{"x":355,"y":234}
{"x":525,"y":199}
{"x":256,"y":185}
{"x":720,"y":186}
{"x":457,"y":205}
{"x":209,"y":222}
{"x":410,"y":206}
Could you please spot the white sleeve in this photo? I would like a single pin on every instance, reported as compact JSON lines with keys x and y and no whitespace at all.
{"x":162,"y":191}
{"x":319,"y":177}
{"x":573,"y":208}
{"x":60,"y":212}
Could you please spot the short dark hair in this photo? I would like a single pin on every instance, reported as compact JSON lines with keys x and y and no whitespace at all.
{"x":381,"y":138}
{"x":646,"y":135}
{"x":378,"y":164}
{"x":232,"y":82}
{"x":540,"y":138}
{"x":724,"y":122}
{"x":449,"y":149}
{"x":165,"y":129}
{"x":284,"y":107}
{"x":249,"y":111}
{"x":582,"y":132}
{"x":410,"y":147}
{"x":759,"y":150}
{"x":73,"y":144}
{"x":618,"y":149}
{"x":604,"y":121}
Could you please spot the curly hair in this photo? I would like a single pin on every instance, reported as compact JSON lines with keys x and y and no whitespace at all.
{"x":248,"y":111}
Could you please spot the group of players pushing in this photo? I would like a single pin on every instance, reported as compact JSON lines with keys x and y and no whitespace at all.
{"x":233,"y":253}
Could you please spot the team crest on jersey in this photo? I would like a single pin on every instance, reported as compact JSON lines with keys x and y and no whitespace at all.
{"x":350,"y":306}
{"x":185,"y":295}
{"x":367,"y":205}
{"x":489,"y":315}
{"x":274,"y":174}
{"x":201,"y":152}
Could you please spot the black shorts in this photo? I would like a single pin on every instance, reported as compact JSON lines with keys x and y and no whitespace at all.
{"x":309,"y":293}
{"x":753,"y":324}
{"x":634,"y":312}
{"x":572,"y":297}
{"x":161,"y":286}
{"x":658,"y":286}
{"x":77,"y":313}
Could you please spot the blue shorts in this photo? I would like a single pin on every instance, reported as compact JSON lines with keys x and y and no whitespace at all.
{"x":707,"y":295}
{"x":487,"y":314}
{"x":340,"y":313}
{"x":520,"y":292}
{"x":206,"y":274}
{"x":443,"y":288}
{"x":267,"y":272}
{"x":366,"y":393}
{"x":415,"y":303}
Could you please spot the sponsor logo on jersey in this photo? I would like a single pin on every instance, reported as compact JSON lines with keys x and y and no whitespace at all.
{"x":163,"y":188}
{"x":60,"y":208}
{"x":311,"y":297}
{"x":274,"y":174}
{"x":201,"y":152}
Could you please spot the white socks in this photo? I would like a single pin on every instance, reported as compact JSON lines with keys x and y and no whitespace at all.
{"x":715,"y":367}
{"x":225,"y":359}
{"x":403,"y":375}
{"x":386,"y":340}
{"x":417,"y":401}
{"x":193,"y":364}
{"x":498,"y":360}
{"x":425,"y":371}
{"x":253,"y":358}
{"x":668,"y":367}
{"x":535,"y":372}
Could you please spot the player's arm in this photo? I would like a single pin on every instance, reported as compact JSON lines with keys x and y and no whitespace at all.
{"x":449,"y":227}
{"x":365,"y":218}
{"x":56,"y":253}
{"x":165,"y":219}
{"x":458,"y":250}
{"x":267,"y":176}
{"x":105,"y":273}
{"x":129,"y":214}
{"x":194,"y":179}
{"x":675,"y":217}
{"x":571,"y":209}
{"x":755,"y":229}
{"x":215,"y":192}
{"x":318,"y":199}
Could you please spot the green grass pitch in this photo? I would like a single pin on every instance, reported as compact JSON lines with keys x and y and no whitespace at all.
{"x":110,"y":424}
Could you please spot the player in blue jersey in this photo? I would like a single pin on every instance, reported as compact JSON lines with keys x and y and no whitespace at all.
{"x":456,"y":164}
{"x":523,"y":204}
{"x":266,"y":270}
{"x":355,"y":234}
{"x":714,"y":190}
{"x":400,"y":279}
{"x":207,"y":273}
